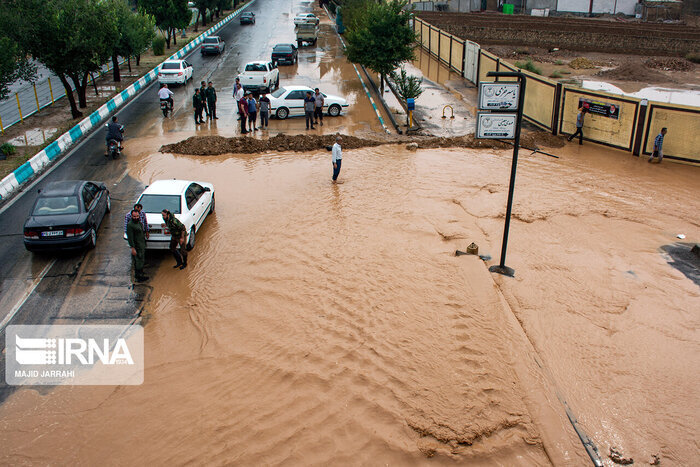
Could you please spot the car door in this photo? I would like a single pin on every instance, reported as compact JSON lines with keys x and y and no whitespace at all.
{"x":89,"y":204}
{"x":100,"y":200}
{"x":203,"y":202}
{"x":193,"y":205}
{"x":295,"y":102}
{"x":188,"y":69}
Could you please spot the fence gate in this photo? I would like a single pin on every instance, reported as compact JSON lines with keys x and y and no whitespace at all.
{"x":471,"y":61}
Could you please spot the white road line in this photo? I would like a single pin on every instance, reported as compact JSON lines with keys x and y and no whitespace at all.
{"x":121,"y":177}
{"x":26,"y":295}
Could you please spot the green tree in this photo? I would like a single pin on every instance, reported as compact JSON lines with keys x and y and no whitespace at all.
{"x":72,"y":38}
{"x":136,"y":31}
{"x":383,"y":38}
{"x":222,"y":5}
{"x":408,"y":86}
{"x":202,"y":7}
{"x":14,"y":65}
{"x":169,"y":16}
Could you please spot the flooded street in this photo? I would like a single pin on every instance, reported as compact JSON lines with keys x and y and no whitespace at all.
{"x":322,"y":323}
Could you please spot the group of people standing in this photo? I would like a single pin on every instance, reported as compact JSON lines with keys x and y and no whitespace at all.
{"x":204,"y":100}
{"x":249,"y":108}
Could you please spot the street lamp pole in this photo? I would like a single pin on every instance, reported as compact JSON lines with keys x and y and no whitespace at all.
{"x":502,"y":268}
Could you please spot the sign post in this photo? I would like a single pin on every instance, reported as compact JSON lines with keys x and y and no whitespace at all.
{"x":410,"y":106}
{"x":501,"y":99}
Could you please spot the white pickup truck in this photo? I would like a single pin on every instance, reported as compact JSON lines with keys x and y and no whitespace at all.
{"x":260,"y":77}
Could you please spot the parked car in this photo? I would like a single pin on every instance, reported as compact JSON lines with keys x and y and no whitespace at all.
{"x":288,"y":101}
{"x":259,"y":77}
{"x":284,"y":53}
{"x":306,"y":32}
{"x":175,"y":72}
{"x":66,"y":215}
{"x":302,"y":18}
{"x":247,"y":17}
{"x":190,"y":202}
{"x":212,"y":45}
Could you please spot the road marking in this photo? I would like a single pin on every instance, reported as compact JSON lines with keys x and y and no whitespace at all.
{"x":121,"y":177}
{"x":27,"y":294}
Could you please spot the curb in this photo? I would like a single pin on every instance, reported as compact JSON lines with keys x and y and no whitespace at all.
{"x":44,"y":158}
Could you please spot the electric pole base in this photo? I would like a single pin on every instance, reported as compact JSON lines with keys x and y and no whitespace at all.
{"x":504,"y":270}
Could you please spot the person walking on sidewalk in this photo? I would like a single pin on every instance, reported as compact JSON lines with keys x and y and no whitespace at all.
{"x":136,"y":238}
{"x":658,"y":146}
{"x":309,"y":104}
{"x":252,"y":112}
{"x":142,"y":218}
{"x":579,"y":125}
{"x":203,"y":94}
{"x":198,"y":106}
{"x":177,"y":239}
{"x":318,"y":106}
{"x":211,"y":101}
{"x":264,"y":106}
{"x":337,"y":157}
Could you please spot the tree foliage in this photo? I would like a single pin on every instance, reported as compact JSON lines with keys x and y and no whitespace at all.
{"x":169,"y":15}
{"x":408,"y":86}
{"x":381,"y":38}
{"x":72,"y":38}
{"x":202,"y":7}
{"x":14,"y":65}
{"x":136,"y":31}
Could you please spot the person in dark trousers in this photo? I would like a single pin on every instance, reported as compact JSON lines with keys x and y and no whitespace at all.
{"x":579,"y":125}
{"x":243,"y":111}
{"x":198,"y":106}
{"x":136,"y":238}
{"x":203,"y":94}
{"x":309,"y":104}
{"x":264,"y":106}
{"x":658,"y":146}
{"x":337,"y":157}
{"x":318,"y":106}
{"x":252,"y":112}
{"x":177,"y":239}
{"x":142,"y":218}
{"x":211,"y":101}
{"x":238,"y":94}
{"x":114,"y":131}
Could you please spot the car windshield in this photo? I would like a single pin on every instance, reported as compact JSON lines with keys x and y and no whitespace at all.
{"x":255,"y":67}
{"x":283,"y":48}
{"x":56,"y":205}
{"x":211,"y":40}
{"x":278,"y":92}
{"x":171,"y":66}
{"x":156,"y":203}
{"x":247,"y":15}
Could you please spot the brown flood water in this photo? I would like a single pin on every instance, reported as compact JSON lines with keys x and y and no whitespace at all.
{"x":324,"y":323}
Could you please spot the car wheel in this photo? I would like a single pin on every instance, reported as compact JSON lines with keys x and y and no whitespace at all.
{"x":212,"y":206}
{"x":282,"y":113}
{"x":109,"y":204}
{"x":93,"y":239}
{"x":190,"y":241}
{"x":334,"y":110}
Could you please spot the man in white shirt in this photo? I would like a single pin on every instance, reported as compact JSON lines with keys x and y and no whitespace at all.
{"x":238,"y":94}
{"x":337,"y":158}
{"x":166,"y":94}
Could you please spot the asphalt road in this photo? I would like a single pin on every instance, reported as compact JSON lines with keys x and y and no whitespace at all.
{"x":95,"y":286}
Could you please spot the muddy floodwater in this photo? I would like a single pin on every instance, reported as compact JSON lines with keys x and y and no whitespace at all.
{"x":333,"y":324}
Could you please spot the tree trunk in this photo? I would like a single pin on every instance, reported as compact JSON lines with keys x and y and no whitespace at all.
{"x":196,"y":22}
{"x":71,"y":98}
{"x":81,"y":89}
{"x":128,"y":61}
{"x":203,"y":15}
{"x":115,"y":68}
{"x":138,"y":60}
{"x":174,"y":36}
{"x":381,"y":85}
{"x":167,"y":38}
{"x":94,"y":84}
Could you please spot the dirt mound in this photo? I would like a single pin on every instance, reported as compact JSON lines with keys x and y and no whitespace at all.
{"x":669,"y":64}
{"x":634,"y":71}
{"x":581,"y":63}
{"x":538,"y":139}
{"x":214,"y":145}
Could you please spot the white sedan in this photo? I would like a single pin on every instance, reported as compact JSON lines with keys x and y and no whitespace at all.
{"x":190,"y":202}
{"x":175,"y":72}
{"x":289,"y":102}
{"x":302,"y":18}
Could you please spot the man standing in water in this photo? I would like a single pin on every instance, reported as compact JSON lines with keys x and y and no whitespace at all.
{"x":211,"y":101}
{"x":137,"y":241}
{"x":177,"y":238}
{"x":309,"y":105}
{"x":658,"y":146}
{"x":579,"y":125}
{"x":337,"y":158}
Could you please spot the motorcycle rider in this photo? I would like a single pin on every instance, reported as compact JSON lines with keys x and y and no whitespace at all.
{"x":166,"y":94}
{"x":114,"y":132}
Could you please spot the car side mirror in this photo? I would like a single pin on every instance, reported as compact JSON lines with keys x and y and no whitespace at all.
{"x":207,"y":189}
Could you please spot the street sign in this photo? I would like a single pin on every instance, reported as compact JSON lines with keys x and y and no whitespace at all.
{"x":496,"y":125}
{"x":498,"y":96}
{"x":411,"y":103}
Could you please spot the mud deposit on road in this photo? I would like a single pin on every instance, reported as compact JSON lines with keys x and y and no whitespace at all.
{"x":215,"y":145}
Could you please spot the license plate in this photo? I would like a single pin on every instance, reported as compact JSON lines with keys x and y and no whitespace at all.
{"x":155,"y":231}
{"x":52,"y":233}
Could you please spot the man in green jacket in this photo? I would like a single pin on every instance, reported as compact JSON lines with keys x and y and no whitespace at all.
{"x":211,"y":101}
{"x":203,"y":95}
{"x":198,"y":104}
{"x":137,"y":241}
{"x":177,"y":239}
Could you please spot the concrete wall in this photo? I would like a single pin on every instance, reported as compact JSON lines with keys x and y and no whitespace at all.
{"x":541,"y":4}
{"x":599,"y":6}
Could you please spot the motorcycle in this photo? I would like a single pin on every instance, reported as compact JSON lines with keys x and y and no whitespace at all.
{"x":114,"y":146}
{"x":166,"y":106}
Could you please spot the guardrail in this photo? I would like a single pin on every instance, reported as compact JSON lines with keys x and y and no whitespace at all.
{"x":48,"y":155}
